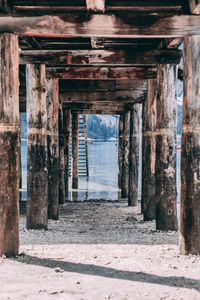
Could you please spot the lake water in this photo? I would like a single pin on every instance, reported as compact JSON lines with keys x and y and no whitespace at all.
{"x":103,"y":173}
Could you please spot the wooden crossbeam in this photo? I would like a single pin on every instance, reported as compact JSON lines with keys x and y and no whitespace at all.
{"x":104,"y":97}
{"x":101,"y":85}
{"x":101,"y":25}
{"x":97,"y":57}
{"x":102,"y":73}
{"x":134,"y":6}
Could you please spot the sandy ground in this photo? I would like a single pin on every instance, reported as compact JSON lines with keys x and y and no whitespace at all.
{"x":99,"y":251}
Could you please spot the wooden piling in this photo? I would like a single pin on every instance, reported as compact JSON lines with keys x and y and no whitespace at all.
{"x":66,"y":125}
{"x":190,"y":160}
{"x":37,"y":177}
{"x":120,"y":151}
{"x":9,"y":145}
{"x":61,"y":155}
{"x":53,"y":148}
{"x":75,"y":149}
{"x":134,"y":155}
{"x":165,"y":166}
{"x":125,"y":160}
{"x":148,"y":201}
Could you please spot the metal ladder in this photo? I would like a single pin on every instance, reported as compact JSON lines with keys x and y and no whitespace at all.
{"x":83,"y":168}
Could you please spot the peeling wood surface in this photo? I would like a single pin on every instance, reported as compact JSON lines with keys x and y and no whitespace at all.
{"x":165,"y":166}
{"x":37,"y":167}
{"x":9,"y":145}
{"x":149,"y":152}
{"x":53,"y":148}
{"x":190,"y":165}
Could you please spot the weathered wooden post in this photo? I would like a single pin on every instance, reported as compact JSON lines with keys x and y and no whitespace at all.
{"x":61,"y":156}
{"x":134,"y":155}
{"x":165,"y":166}
{"x":9,"y":145}
{"x":75,"y":149}
{"x":66,"y":125}
{"x":37,"y":177}
{"x":53,"y":148}
{"x":125,"y":160}
{"x":190,"y":160}
{"x":148,"y":200}
{"x":120,"y":151}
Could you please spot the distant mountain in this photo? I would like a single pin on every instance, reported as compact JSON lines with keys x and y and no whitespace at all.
{"x":99,"y":126}
{"x":102,"y":127}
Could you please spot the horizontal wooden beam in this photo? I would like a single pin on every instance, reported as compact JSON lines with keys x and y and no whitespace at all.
{"x":101,"y":85}
{"x":99,"y":112}
{"x":99,"y":57}
{"x":133,"y":6}
{"x":102,"y":97}
{"x":101,"y":25}
{"x":102,"y":73}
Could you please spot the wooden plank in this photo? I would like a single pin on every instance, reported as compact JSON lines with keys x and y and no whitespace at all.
{"x":101,"y":85}
{"x":134,"y":155}
{"x":165,"y":165}
{"x":101,"y":25}
{"x":9,"y":145}
{"x":93,"y":97}
{"x":37,"y":177}
{"x":94,"y":106}
{"x":125,"y":158}
{"x":148,"y":200}
{"x":96,"y":5}
{"x":101,"y":57}
{"x":190,"y":160}
{"x":66,"y":7}
{"x":102,"y":73}
{"x":100,"y":111}
{"x":75,"y":149}
{"x":53,"y":148}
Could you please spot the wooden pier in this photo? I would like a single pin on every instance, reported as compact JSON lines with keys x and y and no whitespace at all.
{"x":99,"y":57}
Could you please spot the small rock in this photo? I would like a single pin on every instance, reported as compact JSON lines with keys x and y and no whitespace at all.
{"x":78,"y":282}
{"x":58,"y":270}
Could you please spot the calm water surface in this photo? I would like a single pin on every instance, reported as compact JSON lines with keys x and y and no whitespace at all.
{"x":103,"y":173}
